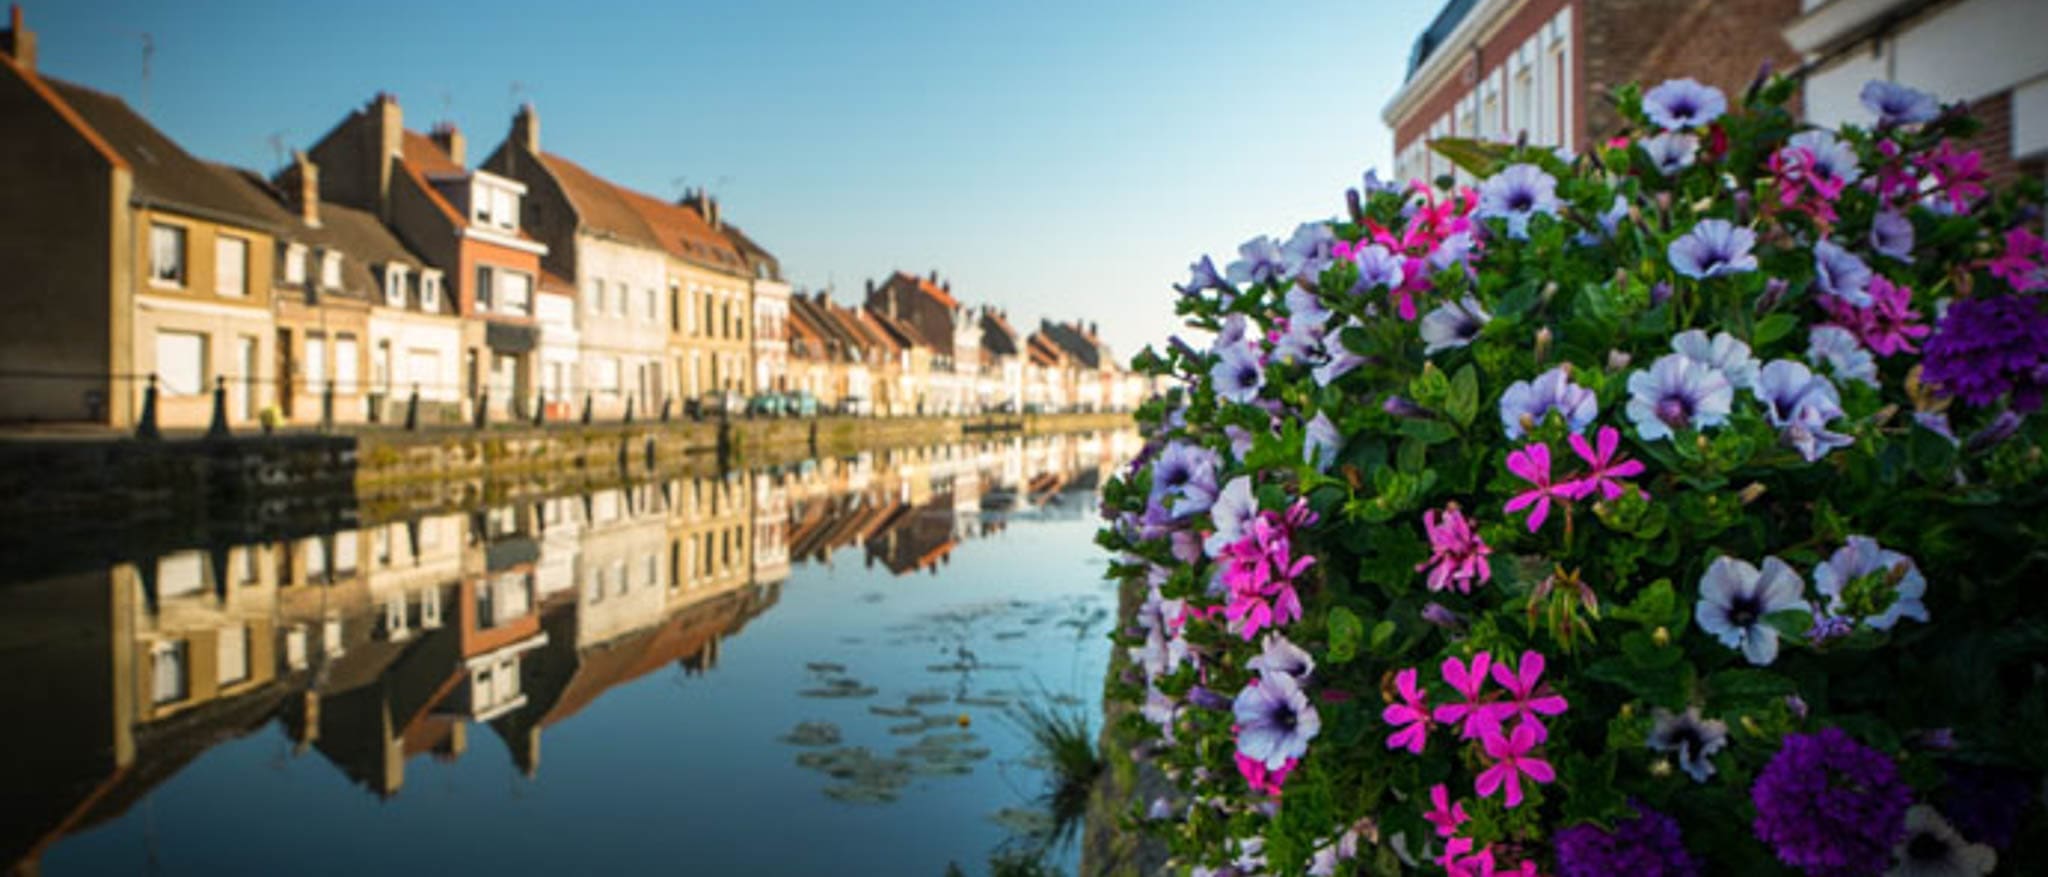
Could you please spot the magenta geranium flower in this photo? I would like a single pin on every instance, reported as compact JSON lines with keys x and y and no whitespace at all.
{"x":1258,"y":572}
{"x":1262,"y":779}
{"x":1605,"y":468}
{"x":1512,"y":762}
{"x":1532,"y":464}
{"x":1411,"y":714}
{"x":1527,"y":696}
{"x":2024,"y":264}
{"x":1457,"y":554}
{"x":1888,"y":325}
{"x":1475,"y":715}
{"x":1445,"y":814}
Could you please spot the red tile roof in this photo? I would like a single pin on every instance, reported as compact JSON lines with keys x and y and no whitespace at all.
{"x":428,"y":157}
{"x":601,"y":204}
{"x":926,"y":286}
{"x":685,"y":234}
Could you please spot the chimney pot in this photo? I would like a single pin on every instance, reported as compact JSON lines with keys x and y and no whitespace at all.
{"x":19,"y":42}
{"x":449,"y":138}
{"x":526,"y":128}
{"x":307,"y":176}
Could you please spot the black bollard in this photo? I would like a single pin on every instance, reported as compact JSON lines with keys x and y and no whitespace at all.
{"x":483,"y":409}
{"x":540,"y":409}
{"x":327,"y":408}
{"x":586,"y":408}
{"x":667,"y":403}
{"x":218,"y":429}
{"x":145,"y":426}
{"x":412,"y":410}
{"x":629,"y":409}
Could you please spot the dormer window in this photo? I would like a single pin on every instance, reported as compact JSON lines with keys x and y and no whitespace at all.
{"x":330,"y":270}
{"x":295,"y":264}
{"x":494,"y":202}
{"x":430,"y":290}
{"x":394,"y":284}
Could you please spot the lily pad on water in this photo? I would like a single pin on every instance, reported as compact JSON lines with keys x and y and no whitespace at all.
{"x":812,"y":734}
{"x":840,"y":688}
{"x":971,"y":700}
{"x":895,"y":712}
{"x":825,"y":668}
{"x":1023,"y":822}
{"x":927,"y":698}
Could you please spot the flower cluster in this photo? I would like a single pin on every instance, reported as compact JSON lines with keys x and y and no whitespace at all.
{"x":1666,"y":510}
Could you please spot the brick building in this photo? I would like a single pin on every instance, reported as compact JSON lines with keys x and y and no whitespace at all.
{"x":1504,"y":69}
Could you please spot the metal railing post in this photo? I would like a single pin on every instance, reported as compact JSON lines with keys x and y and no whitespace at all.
{"x":145,"y":426}
{"x":412,"y":409}
{"x":327,"y":408}
{"x":483,"y":409}
{"x":629,"y":408}
{"x":219,"y":427}
{"x":540,"y":408}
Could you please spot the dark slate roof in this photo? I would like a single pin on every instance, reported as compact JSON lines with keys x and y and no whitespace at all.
{"x":1439,"y":30}
{"x":166,"y":176}
{"x":996,"y":335}
{"x":1076,"y":342}
{"x":363,"y":241}
{"x":755,"y":253}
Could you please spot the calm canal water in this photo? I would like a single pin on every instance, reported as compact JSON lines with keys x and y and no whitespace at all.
{"x":803,"y":670}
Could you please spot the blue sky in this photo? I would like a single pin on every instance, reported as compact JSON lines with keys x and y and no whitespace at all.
{"x":1057,"y":159}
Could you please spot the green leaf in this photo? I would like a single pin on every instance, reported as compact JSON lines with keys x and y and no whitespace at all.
{"x":1382,"y":633}
{"x":1772,"y":328}
{"x":1791,"y":624}
{"x":1345,"y":632}
{"x":1476,"y":157}
{"x":1731,"y":690}
{"x":1463,"y":404}
{"x":1656,"y":606}
{"x":1429,"y":432}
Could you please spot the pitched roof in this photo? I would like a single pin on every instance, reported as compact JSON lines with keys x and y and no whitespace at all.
{"x":996,"y":335}
{"x":426,"y":156}
{"x":684,"y":234}
{"x":362,"y":239}
{"x":900,"y":332}
{"x":1043,"y":351}
{"x":1439,"y":30}
{"x":754,"y":252}
{"x":1076,"y":341}
{"x":165,"y":174}
{"x":927,"y":287}
{"x":600,"y":204}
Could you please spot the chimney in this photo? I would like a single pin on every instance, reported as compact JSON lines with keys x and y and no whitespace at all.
{"x":935,"y":275}
{"x":526,"y":128}
{"x":449,"y":138}
{"x":301,"y":183}
{"x":947,"y":287}
{"x":19,"y":42}
{"x":871,"y":287}
{"x":711,"y":211}
{"x":387,"y":128}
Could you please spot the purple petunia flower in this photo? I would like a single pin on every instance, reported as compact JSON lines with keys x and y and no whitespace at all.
{"x":1452,"y":324}
{"x":1340,"y":358}
{"x":1843,"y":354}
{"x":1683,"y":103}
{"x":1238,"y":374}
{"x":1278,"y":656}
{"x":1274,"y":720}
{"x":1307,"y":252}
{"x":1649,"y":845}
{"x":1800,"y":404}
{"x":1202,"y":276}
{"x":1671,"y":152}
{"x":1988,"y":346}
{"x":1891,"y":234}
{"x":1517,"y":193}
{"x":1714,"y":247}
{"x":1185,"y":478}
{"x":1320,"y":443}
{"x":1260,"y":260}
{"x":1232,"y":514}
{"x":1378,"y":268}
{"x":1693,"y":739}
{"x":1895,"y":104}
{"x":1529,"y":402}
{"x":1677,"y":393}
{"x":1735,"y":598}
{"x":1832,"y":159}
{"x":1724,"y":353}
{"x":1455,"y":250}
{"x":1830,"y":806}
{"x":1840,"y":273}
{"x":1838,"y":578}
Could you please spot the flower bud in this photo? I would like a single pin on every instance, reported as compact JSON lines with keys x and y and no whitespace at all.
{"x":1206,"y":699}
{"x":2001,"y":428}
{"x":1752,"y":493}
{"x":1400,"y":407}
{"x":1661,"y":636}
{"x":1742,"y":207}
{"x":1749,"y":724}
{"x":1354,"y":205}
{"x":1797,"y":705}
{"x":1549,"y":291}
{"x":1441,"y":616}
{"x":1660,"y":768}
{"x":1774,"y":292}
{"x":1543,"y":338}
{"x":1660,"y":293}
{"x":1700,"y":441}
{"x":1618,"y":360}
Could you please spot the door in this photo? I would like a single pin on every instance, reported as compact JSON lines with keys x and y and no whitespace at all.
{"x":284,"y":372}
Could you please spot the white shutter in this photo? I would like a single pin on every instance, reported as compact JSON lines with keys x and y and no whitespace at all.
{"x":231,"y":267}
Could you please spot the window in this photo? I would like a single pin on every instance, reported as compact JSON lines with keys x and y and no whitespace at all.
{"x":482,"y":293}
{"x":180,"y":363}
{"x":518,"y":290}
{"x":653,"y":306}
{"x":430,"y":291}
{"x":394,"y":284}
{"x":231,"y":267}
{"x":167,"y":672}
{"x":166,"y":255}
{"x":505,"y":208}
{"x":330,"y":270}
{"x":619,"y":301}
{"x":423,"y":366}
{"x":294,"y":258}
{"x":316,"y":363}
{"x":596,"y":296}
{"x":606,"y":376}
{"x":380,"y":367}
{"x":234,"y":655}
{"x":345,"y":363}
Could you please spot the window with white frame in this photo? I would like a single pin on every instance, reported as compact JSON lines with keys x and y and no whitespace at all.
{"x":180,"y":362}
{"x":1522,"y":104}
{"x":167,"y":255}
{"x":484,"y":294}
{"x":394,"y":284}
{"x":597,"y":295}
{"x":517,"y":292}
{"x":619,"y":301}
{"x":294,"y":256}
{"x":606,"y":377}
{"x":430,"y":291}
{"x":168,"y":662}
{"x":316,"y":363}
{"x":653,"y":306}
{"x":330,"y":270}
{"x":345,"y":370}
{"x":233,"y":654}
{"x":231,"y":267}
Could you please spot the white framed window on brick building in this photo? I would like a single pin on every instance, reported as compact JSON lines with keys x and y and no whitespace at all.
{"x":294,"y":256}
{"x":166,"y":255}
{"x":180,"y":362}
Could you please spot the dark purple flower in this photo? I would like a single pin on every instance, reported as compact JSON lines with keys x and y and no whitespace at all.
{"x":1683,"y":103}
{"x":1713,"y":248}
{"x":1831,"y":806}
{"x":1986,"y":804}
{"x":1650,"y":845}
{"x":1986,"y":347}
{"x":1896,"y":104}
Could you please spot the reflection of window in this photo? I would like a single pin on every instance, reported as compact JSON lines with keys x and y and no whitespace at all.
{"x":230,"y":267}
{"x":345,"y":552}
{"x":181,"y":362}
{"x":234,"y":655}
{"x":430,"y":609}
{"x":167,"y":255}
{"x":180,"y":574}
{"x":167,"y":672}
{"x":330,"y":638}
{"x":295,"y":647}
{"x":316,"y":558}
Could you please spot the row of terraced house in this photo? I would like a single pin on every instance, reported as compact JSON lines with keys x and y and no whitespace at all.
{"x":386,"y":270}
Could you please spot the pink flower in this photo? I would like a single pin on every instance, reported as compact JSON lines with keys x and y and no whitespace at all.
{"x":1412,"y":711}
{"x":1458,"y":555}
{"x":1604,"y":476}
{"x":1888,"y":325}
{"x":1459,"y":860}
{"x":2022,"y":266}
{"x":1957,"y":174}
{"x":1258,"y":572}
{"x":1446,"y":814}
{"x":1262,"y":779}
{"x":1527,"y":696}
{"x":1511,"y":762}
{"x":1476,"y":713}
{"x":1532,"y":464}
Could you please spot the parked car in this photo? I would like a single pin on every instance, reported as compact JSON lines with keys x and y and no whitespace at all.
{"x":801,"y":404}
{"x":720,"y":403}
{"x":853,"y":405}
{"x":768,"y":405}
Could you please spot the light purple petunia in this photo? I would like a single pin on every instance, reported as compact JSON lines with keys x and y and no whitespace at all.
{"x":1896,"y":104}
{"x":1452,"y":324}
{"x":1840,"y":273}
{"x":1378,"y":268}
{"x":1516,"y":194}
{"x":1320,"y":442}
{"x":1723,"y":352}
{"x":1238,"y":374}
{"x":1683,"y":103}
{"x":1831,"y":157}
{"x":1891,"y":234}
{"x":1340,"y":358}
{"x":1202,"y":276}
{"x":1861,"y":557}
{"x":1692,"y":738}
{"x":1275,"y":721}
{"x":1305,"y":307}
{"x":1259,"y":261}
{"x":1713,"y":248}
{"x":1736,"y":598}
{"x":1671,"y":152}
{"x":1800,"y":404}
{"x":1184,"y":478}
{"x":1843,"y":354}
{"x":1278,"y":656}
{"x":1232,"y":514}
{"x":1455,"y":250}
{"x":1675,"y":393}
{"x":1307,"y":252}
{"x":1532,"y":401}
